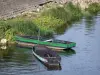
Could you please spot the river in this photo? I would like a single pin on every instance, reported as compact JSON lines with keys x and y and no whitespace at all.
{"x":82,"y":60}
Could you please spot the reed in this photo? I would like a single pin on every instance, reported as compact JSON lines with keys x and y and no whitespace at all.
{"x":75,"y":11}
{"x":93,"y":8}
{"x":68,"y":13}
{"x":17,"y":26}
{"x":58,"y":13}
{"x":48,"y":21}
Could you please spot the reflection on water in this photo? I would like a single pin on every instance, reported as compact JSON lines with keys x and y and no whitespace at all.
{"x":87,"y":37}
{"x":55,"y":68}
{"x":17,"y":60}
{"x":5,"y":52}
{"x":82,"y":60}
{"x":63,"y":28}
{"x":90,"y":25}
{"x":3,"y":47}
{"x":49,"y":68}
{"x":67,"y":52}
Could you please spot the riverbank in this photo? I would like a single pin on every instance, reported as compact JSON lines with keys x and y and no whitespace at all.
{"x":84,"y":59}
{"x":48,"y":19}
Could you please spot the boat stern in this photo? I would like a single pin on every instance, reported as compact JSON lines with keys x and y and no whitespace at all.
{"x":53,"y":64}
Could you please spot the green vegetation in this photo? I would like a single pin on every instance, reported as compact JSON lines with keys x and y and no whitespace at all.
{"x":57,"y":13}
{"x":17,"y":26}
{"x":6,"y":52}
{"x":48,"y":23}
{"x":48,"y":20}
{"x":67,"y":52}
{"x":67,"y":13}
{"x":93,"y":8}
{"x":74,"y":11}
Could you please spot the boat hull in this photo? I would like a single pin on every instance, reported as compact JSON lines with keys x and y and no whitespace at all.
{"x":50,"y":66}
{"x":30,"y":45}
{"x":47,"y":63}
{"x":56,"y":44}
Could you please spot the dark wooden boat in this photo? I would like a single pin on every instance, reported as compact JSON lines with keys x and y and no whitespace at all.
{"x":48,"y":57}
{"x":51,"y":43}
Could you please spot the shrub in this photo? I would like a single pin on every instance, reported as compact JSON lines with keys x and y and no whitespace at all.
{"x":93,"y":8}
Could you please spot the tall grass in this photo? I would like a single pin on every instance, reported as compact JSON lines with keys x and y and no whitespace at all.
{"x":74,"y":10}
{"x":93,"y":8}
{"x":54,"y":18}
{"x":58,"y":13}
{"x":48,"y":21}
{"x":17,"y":26}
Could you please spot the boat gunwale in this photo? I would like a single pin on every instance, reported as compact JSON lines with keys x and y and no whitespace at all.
{"x":53,"y":53}
{"x":21,"y":39}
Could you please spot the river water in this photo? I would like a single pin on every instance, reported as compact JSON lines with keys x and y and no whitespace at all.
{"x":84,"y":59}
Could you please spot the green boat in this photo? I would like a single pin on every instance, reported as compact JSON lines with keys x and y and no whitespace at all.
{"x":51,"y":43}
